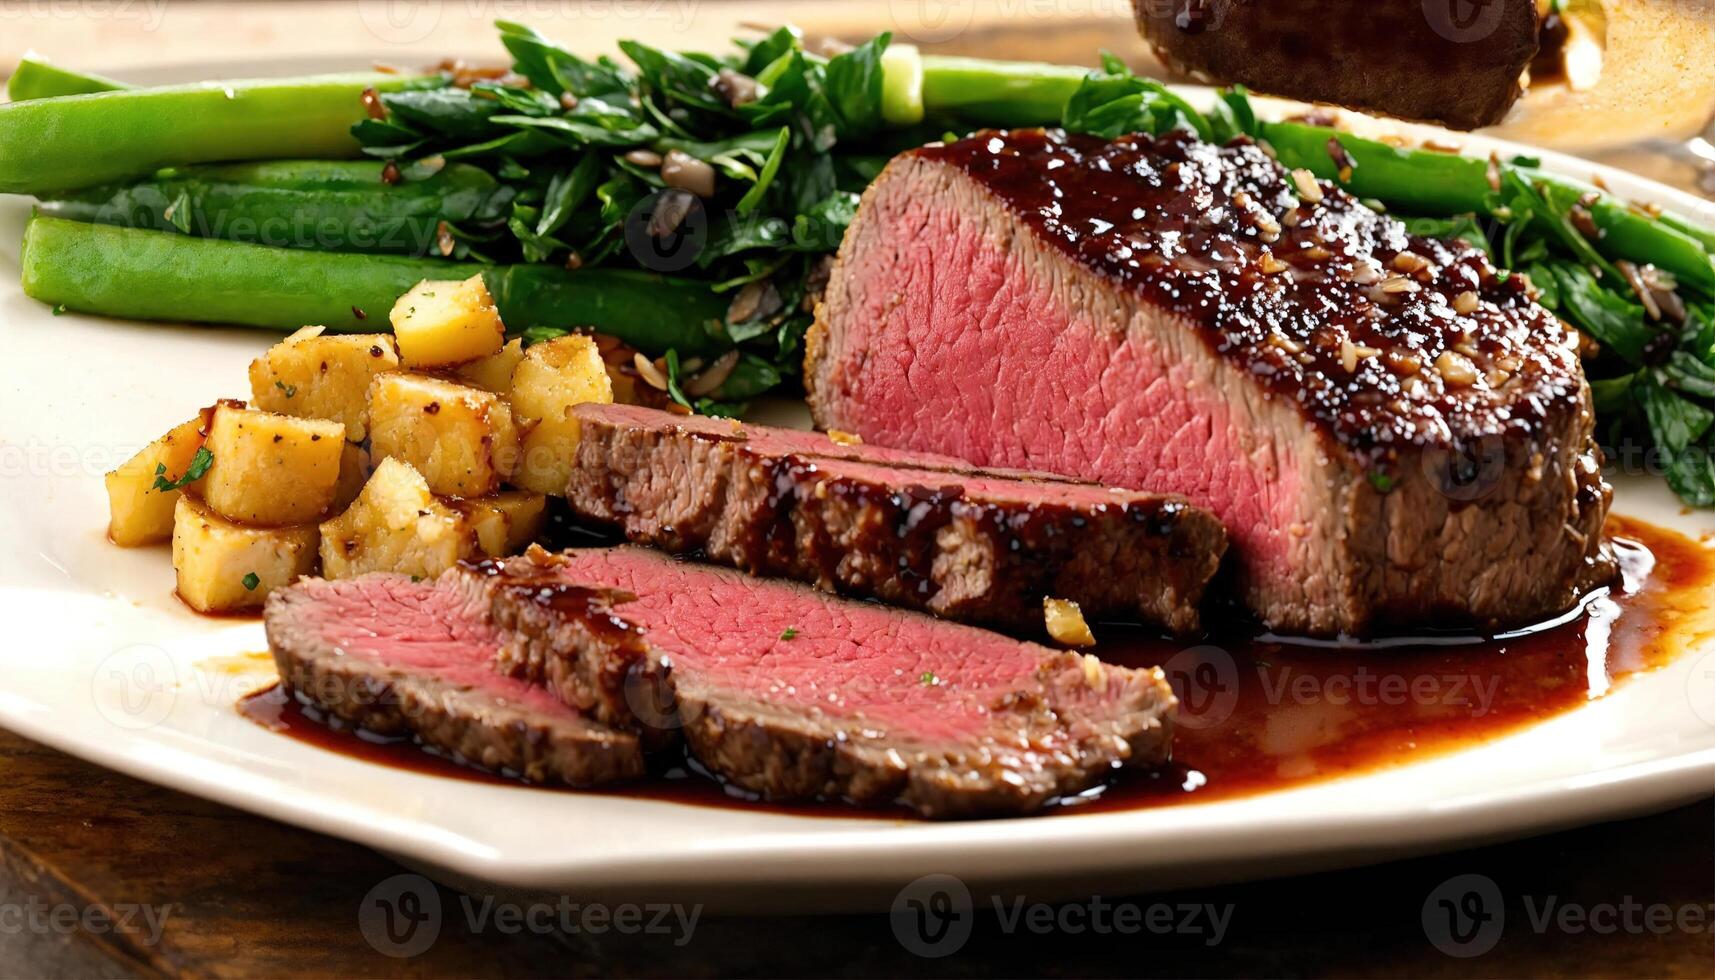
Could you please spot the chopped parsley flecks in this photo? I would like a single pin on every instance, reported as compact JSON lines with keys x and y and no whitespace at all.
{"x":194,"y":472}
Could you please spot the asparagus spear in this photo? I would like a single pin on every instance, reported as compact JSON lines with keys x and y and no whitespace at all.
{"x":37,"y":79}
{"x":997,"y":93}
{"x":49,"y":145}
{"x":334,"y":206}
{"x":151,"y":275}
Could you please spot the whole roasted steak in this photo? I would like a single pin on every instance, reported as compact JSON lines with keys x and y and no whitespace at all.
{"x":913,"y":529}
{"x":1391,"y":430}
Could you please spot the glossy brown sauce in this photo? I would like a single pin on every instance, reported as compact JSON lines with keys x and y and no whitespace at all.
{"x":253,"y":614}
{"x":1259,"y":714}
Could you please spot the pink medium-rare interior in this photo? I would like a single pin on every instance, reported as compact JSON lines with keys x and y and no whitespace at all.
{"x":764,"y":439}
{"x":779,"y":643}
{"x":432,"y":632}
{"x":1084,"y":496}
{"x":959,"y":347}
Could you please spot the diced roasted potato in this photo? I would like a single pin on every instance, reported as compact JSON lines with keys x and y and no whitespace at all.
{"x":552,"y":377}
{"x":395,"y":525}
{"x":318,"y":376}
{"x":139,"y":514}
{"x":444,"y":322}
{"x":506,"y":522}
{"x":271,"y":470}
{"x":354,"y":471}
{"x":494,"y":372}
{"x":461,"y":439}
{"x":223,"y":566}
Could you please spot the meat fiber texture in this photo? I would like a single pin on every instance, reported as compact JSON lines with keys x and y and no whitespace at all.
{"x":1392,"y":432}
{"x":398,"y":657}
{"x":793,"y":693}
{"x":916,"y":530}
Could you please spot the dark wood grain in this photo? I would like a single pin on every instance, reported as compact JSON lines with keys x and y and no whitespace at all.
{"x":249,"y":897}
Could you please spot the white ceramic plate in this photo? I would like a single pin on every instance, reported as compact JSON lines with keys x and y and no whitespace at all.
{"x":103,"y":663}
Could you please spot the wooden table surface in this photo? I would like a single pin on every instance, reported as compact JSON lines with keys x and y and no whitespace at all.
{"x":248,"y":897}
{"x":81,"y":847}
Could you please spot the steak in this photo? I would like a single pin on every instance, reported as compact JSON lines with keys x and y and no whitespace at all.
{"x":1392,"y":431}
{"x":917,"y":530}
{"x":1457,"y":63}
{"x":414,"y":658}
{"x":793,"y":693}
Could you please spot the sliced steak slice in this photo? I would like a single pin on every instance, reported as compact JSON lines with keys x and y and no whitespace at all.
{"x":916,"y":530}
{"x":1391,"y":431}
{"x":794,"y":693}
{"x":415,"y":658}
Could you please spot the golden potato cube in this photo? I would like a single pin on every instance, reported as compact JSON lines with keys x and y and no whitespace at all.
{"x":443,"y":322}
{"x":494,"y":372}
{"x":137,"y":513}
{"x":460,"y":438}
{"x":395,"y":525}
{"x":318,"y":376}
{"x":271,"y":470}
{"x":223,"y":566}
{"x":354,"y":469}
{"x":504,"y":523}
{"x":552,"y":377}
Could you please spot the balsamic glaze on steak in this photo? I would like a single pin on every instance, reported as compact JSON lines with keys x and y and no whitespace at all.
{"x":1325,"y":302}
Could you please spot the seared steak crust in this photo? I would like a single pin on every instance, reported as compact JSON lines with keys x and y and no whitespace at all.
{"x":918,"y":531}
{"x":794,"y":694}
{"x":1392,"y":431}
{"x":407,"y":658}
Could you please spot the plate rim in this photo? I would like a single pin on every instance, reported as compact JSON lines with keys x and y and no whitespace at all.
{"x":1067,"y":846}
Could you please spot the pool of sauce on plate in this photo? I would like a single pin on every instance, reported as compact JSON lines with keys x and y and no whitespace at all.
{"x":1260,"y":714}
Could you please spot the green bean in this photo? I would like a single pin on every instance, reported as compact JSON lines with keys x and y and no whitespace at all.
{"x":37,"y":79}
{"x":152,"y":275}
{"x":1417,"y":181}
{"x":1429,"y":182}
{"x":331,"y":205}
{"x":49,"y":145}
